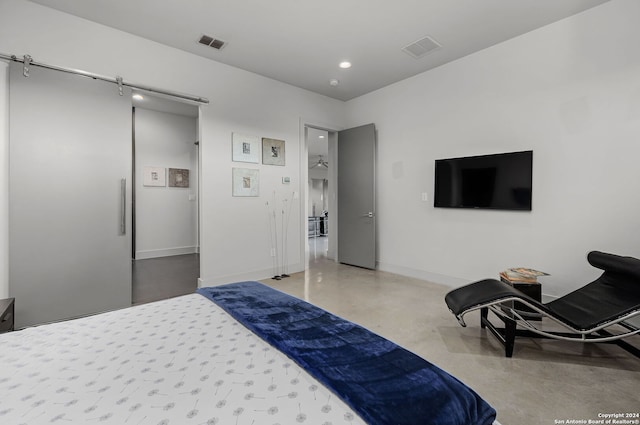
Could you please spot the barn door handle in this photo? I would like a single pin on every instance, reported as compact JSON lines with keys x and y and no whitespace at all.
{"x":123,"y":206}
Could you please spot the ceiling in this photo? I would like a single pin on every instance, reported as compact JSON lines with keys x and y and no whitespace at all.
{"x":301,"y":42}
{"x":318,"y":143}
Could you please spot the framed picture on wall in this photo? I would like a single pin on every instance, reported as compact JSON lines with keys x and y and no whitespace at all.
{"x":246,"y":182}
{"x":245,"y":148}
{"x":178,"y":177}
{"x":154,"y":176}
{"x":272,"y":151}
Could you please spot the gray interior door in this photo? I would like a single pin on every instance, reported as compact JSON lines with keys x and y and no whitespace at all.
{"x":356,"y":196}
{"x":70,"y":151}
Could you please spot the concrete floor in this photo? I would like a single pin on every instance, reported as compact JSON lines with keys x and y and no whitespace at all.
{"x":156,"y":279}
{"x":545,"y":382}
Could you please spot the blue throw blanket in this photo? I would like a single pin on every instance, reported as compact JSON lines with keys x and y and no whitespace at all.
{"x":380,"y":380}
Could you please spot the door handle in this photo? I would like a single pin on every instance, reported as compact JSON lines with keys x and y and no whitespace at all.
{"x":369,"y":214}
{"x":123,"y":206}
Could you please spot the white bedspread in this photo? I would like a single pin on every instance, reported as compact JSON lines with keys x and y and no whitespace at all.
{"x":180,"y":361}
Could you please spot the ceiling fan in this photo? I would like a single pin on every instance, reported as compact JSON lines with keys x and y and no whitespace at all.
{"x":320,"y":163}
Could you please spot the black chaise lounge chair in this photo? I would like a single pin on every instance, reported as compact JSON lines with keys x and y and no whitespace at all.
{"x":598,"y":312}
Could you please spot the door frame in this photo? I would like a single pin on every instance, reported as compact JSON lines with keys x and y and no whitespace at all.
{"x":332,"y":157}
{"x":197,"y":173}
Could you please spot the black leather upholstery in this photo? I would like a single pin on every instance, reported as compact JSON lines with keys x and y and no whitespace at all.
{"x":613,"y":295}
{"x":615,"y":264}
{"x":480,"y":293}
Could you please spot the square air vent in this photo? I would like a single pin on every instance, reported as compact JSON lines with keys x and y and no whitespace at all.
{"x":211,"y":42}
{"x":421,"y":47}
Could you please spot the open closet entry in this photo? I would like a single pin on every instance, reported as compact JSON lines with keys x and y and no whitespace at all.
{"x":165,"y":253}
{"x":70,"y":195}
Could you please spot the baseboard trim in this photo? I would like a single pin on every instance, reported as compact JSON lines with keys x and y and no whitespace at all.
{"x":167,"y":252}
{"x":451,"y":281}
{"x":244,"y":276}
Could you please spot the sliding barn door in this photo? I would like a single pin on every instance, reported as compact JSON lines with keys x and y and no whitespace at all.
{"x":70,"y":175}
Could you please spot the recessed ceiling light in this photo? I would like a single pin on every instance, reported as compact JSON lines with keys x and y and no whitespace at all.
{"x":345,"y":65}
{"x":320,"y":137}
{"x":333,"y":82}
{"x":138,"y":96}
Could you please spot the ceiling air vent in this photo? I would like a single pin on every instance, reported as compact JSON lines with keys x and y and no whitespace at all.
{"x":421,"y":47}
{"x":211,"y":42}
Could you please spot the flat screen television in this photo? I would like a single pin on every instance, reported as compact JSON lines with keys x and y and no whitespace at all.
{"x":500,"y":181}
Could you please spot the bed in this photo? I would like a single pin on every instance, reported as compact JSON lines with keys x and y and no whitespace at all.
{"x":241,"y":353}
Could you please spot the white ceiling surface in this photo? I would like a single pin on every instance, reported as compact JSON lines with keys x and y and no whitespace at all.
{"x":301,"y":42}
{"x":317,"y":145}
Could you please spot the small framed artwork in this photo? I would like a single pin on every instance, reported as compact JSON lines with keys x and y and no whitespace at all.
{"x":178,"y":177}
{"x":272,"y":151}
{"x":246,"y":182}
{"x":245,"y":148}
{"x":154,"y":176}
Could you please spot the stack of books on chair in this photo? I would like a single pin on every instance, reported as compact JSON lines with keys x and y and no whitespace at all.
{"x":525,"y":280}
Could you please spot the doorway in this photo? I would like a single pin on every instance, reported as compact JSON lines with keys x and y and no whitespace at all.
{"x":165,"y":253}
{"x":318,"y":221}
{"x":350,"y":183}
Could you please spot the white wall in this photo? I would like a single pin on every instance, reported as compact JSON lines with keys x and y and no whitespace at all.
{"x":317,"y":196}
{"x":569,"y":91}
{"x":318,"y":172}
{"x":232,"y":229}
{"x":166,"y":217}
{"x":4,"y":181}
